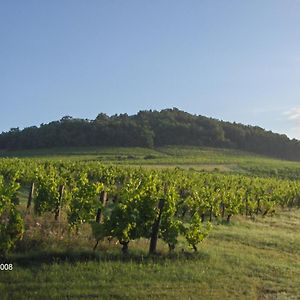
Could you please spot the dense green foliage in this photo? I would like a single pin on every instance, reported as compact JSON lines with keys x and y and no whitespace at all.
{"x":151,"y":129}
{"x":11,"y":222}
{"x":260,"y":253}
{"x":191,"y":200}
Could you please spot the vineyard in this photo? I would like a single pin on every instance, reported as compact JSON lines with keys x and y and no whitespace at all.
{"x":125,"y":204}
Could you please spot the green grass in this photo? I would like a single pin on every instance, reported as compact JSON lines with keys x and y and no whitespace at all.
{"x":197,"y":158}
{"x":247,"y":259}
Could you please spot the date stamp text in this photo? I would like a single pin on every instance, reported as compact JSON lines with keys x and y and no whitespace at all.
{"x":6,"y":267}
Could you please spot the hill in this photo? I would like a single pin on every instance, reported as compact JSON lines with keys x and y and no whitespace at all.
{"x":151,"y":129}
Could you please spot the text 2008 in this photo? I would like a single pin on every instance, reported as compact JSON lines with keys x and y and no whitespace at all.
{"x":6,"y":267}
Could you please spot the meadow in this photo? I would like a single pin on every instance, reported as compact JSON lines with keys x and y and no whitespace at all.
{"x":248,"y":259}
{"x":197,"y":158}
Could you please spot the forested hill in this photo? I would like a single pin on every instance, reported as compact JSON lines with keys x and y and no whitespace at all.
{"x":151,"y":129}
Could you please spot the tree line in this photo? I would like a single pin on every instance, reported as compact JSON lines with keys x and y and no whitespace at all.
{"x":151,"y":129}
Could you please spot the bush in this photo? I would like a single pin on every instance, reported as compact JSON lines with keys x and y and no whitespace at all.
{"x":11,"y":221}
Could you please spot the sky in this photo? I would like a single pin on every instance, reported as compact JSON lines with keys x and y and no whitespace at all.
{"x":232,"y":60}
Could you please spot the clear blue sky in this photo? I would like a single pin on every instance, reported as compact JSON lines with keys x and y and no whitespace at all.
{"x":234,"y":60}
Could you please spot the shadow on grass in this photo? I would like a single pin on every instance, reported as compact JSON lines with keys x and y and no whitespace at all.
{"x":36,"y":259}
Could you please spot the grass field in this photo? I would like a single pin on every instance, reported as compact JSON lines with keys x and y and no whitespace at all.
{"x":248,"y":259}
{"x":197,"y":158}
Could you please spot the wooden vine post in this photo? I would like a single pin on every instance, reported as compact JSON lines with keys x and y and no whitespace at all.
{"x":258,"y":205}
{"x":103,"y":200}
{"x":155,"y":228}
{"x":58,"y":210}
{"x":210,"y":213}
{"x":30,"y":196}
{"x":99,"y":215}
{"x":223,"y":210}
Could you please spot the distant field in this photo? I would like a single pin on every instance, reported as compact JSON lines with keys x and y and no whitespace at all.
{"x":197,"y":158}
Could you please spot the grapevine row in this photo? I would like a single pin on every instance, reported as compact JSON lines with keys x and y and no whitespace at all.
{"x":128,"y":204}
